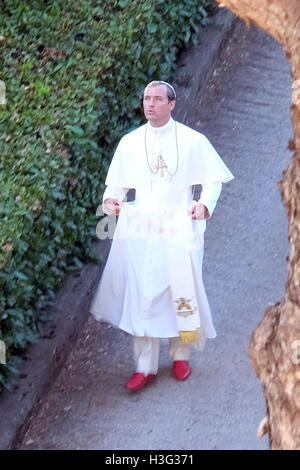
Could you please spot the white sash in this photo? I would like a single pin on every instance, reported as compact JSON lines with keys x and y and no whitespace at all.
{"x":180,"y":270}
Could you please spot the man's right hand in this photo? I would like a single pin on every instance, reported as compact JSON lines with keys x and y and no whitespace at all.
{"x":111,"y":206}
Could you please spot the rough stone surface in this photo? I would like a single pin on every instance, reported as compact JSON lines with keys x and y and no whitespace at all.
{"x":244,"y":111}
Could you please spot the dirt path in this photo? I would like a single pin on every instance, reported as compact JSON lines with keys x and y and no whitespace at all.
{"x":244,"y":111}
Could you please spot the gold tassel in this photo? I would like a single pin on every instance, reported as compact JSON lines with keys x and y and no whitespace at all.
{"x":188,"y":336}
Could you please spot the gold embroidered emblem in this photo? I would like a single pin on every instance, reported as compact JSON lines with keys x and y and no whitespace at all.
{"x":184,"y":309}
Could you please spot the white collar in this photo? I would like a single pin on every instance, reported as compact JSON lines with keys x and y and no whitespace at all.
{"x":162,"y":129}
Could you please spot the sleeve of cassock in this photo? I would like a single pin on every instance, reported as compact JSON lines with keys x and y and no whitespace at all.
{"x":114,"y":193}
{"x":210,"y":195}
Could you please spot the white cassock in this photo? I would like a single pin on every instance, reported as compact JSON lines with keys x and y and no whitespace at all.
{"x":151,"y":285}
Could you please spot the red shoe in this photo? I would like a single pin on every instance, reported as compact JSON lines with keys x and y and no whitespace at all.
{"x":138,"y":380}
{"x":181,"y":370}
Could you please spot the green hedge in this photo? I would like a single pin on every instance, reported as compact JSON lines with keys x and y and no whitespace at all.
{"x":74,"y":72}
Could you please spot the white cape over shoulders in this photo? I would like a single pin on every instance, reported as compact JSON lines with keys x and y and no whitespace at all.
{"x":198,"y":160}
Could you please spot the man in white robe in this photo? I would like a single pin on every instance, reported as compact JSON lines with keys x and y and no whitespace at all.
{"x":151,"y":285}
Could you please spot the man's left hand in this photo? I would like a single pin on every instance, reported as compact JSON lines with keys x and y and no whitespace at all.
{"x":199,"y":211}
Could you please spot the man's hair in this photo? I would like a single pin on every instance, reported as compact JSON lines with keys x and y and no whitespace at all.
{"x":170,"y":90}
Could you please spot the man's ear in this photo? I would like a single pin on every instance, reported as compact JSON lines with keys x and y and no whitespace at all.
{"x":172,"y":105}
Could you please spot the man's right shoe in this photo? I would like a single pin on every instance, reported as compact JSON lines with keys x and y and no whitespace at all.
{"x":138,"y":380}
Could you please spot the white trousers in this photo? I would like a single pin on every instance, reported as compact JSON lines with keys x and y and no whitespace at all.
{"x":146,"y":352}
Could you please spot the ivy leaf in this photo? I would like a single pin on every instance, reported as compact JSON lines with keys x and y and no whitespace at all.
{"x":152,"y":28}
{"x":77,"y":130}
{"x":20,"y":275}
{"x":58,"y":195}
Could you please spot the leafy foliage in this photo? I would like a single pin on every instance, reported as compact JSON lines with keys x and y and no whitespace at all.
{"x":74,"y":73}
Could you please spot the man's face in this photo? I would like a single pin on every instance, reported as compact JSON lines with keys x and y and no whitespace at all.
{"x":157,"y":107}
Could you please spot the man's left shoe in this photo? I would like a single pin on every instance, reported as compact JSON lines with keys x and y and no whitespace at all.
{"x":181,"y":370}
